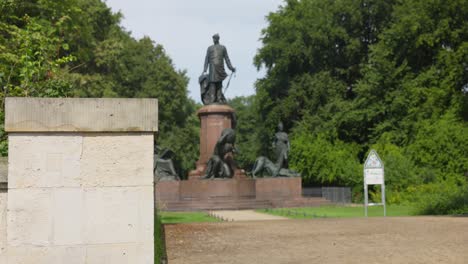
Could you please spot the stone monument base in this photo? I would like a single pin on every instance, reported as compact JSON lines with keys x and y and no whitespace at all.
{"x":213,"y":120}
{"x":235,"y":193}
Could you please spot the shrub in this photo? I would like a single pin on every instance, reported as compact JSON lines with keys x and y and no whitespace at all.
{"x":159,"y":241}
{"x":400,"y":171}
{"x":440,"y":198}
{"x":322,"y":160}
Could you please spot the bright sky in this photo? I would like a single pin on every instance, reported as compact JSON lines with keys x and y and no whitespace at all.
{"x":185,"y":27}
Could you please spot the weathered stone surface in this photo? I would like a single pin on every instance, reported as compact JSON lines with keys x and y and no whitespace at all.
{"x":70,"y":210}
{"x":91,"y":254}
{"x":118,"y":160}
{"x":120,"y":254}
{"x":45,"y":160}
{"x":3,"y":226}
{"x":46,"y":255}
{"x":80,"y":181}
{"x":65,"y":221}
{"x":71,"y":193}
{"x":81,"y":159}
{"x":30,"y":217}
{"x":80,"y":114}
{"x":119,"y":215}
{"x":75,"y":216}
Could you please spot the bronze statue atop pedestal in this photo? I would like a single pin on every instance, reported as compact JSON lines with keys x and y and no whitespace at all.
{"x":211,"y":83}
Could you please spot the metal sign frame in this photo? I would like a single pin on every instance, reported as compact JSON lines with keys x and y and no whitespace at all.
{"x":378,"y":164}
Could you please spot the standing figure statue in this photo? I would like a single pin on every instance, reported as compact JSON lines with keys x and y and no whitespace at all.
{"x":282,"y":147}
{"x":266,"y":168}
{"x":221,"y":164}
{"x":211,"y":84}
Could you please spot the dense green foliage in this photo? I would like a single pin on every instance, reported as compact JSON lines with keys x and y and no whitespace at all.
{"x":246,"y":139}
{"x":347,"y":76}
{"x":76,"y":48}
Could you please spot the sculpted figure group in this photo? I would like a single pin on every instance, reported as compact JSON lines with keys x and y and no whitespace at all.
{"x":221,"y":164}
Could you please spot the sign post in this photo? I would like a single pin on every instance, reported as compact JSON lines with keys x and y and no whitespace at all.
{"x":374,"y":175}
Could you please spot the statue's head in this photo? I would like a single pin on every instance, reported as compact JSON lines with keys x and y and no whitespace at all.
{"x":280,"y":126}
{"x":216,"y":38}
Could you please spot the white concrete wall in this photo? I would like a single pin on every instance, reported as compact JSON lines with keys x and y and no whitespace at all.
{"x":29,"y":114}
{"x":80,"y":198}
{"x":3,"y":226}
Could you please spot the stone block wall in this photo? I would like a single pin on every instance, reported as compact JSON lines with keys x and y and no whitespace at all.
{"x":3,"y":226}
{"x":78,"y":194}
{"x":3,"y":207}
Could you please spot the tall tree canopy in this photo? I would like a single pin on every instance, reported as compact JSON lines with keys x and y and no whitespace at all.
{"x":346,"y":76}
{"x":76,"y":48}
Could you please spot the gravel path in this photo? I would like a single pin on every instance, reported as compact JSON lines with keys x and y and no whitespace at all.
{"x":244,"y":215}
{"x":389,"y":240}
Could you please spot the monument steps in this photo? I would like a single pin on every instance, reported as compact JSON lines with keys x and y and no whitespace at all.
{"x":215,"y":204}
{"x":301,"y":202}
{"x":239,"y":204}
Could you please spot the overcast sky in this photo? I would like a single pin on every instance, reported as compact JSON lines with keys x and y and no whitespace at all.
{"x":185,"y":27}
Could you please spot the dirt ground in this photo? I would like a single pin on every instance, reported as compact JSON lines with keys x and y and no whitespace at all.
{"x":327,"y":240}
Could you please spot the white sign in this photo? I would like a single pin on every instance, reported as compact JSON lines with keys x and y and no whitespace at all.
{"x":374,"y":176}
{"x":373,"y":161}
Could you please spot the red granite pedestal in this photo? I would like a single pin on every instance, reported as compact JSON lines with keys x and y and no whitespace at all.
{"x":225,"y":194}
{"x":238,"y":192}
{"x":213,"y":120}
{"x":245,"y":188}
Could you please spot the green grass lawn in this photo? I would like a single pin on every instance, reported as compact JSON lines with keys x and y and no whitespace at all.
{"x":185,"y":217}
{"x":310,"y":212}
{"x":339,"y":211}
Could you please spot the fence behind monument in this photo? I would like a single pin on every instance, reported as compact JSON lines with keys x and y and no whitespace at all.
{"x":333,"y":194}
{"x":337,"y":194}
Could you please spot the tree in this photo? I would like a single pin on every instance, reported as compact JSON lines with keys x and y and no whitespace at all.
{"x":246,"y":139}
{"x":351,"y":75}
{"x":76,"y":48}
{"x":315,"y":37}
